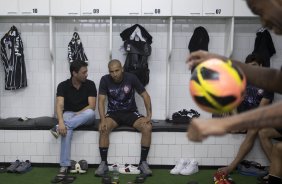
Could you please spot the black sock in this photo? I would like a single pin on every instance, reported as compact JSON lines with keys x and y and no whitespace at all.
{"x":144,"y":153}
{"x":104,"y":154}
{"x":274,"y":180}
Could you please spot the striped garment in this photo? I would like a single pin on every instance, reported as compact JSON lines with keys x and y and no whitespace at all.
{"x":75,"y":49}
{"x":12,"y":57}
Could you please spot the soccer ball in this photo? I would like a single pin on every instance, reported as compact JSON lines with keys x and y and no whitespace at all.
{"x":217,"y":86}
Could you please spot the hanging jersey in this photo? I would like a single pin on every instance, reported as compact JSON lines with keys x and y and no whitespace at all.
{"x":75,"y":49}
{"x":12,"y":57}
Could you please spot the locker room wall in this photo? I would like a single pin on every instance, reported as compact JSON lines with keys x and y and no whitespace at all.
{"x":36,"y":99}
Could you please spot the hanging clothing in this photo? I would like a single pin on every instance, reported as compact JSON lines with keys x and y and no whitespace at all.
{"x":137,"y":44}
{"x":12,"y":57}
{"x":75,"y":49}
{"x":264,"y":46}
{"x":199,"y":40}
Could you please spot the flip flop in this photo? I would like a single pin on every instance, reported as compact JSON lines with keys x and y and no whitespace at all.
{"x":68,"y":179}
{"x":58,"y":178}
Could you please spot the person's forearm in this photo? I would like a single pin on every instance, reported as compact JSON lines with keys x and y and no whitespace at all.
{"x":59,"y":110}
{"x":101,"y":108}
{"x":268,"y":116}
{"x":148,"y":106}
{"x":266,"y":78}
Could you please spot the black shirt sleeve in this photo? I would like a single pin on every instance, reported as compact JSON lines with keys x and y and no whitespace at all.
{"x":92,"y":89}
{"x":60,"y":90}
{"x":103,"y":86}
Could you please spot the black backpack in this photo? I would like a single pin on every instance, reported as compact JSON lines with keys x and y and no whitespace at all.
{"x":137,"y":59}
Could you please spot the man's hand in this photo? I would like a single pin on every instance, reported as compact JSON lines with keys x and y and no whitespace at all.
{"x":145,"y":121}
{"x":62,"y":129}
{"x":103,"y":126}
{"x":198,"y":57}
{"x":200,"y":129}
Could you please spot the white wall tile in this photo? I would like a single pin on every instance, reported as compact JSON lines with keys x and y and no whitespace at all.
{"x":36,"y":159}
{"x":115,"y":138}
{"x":228,"y":151}
{"x":201,"y":151}
{"x":214,"y":151}
{"x":220,"y":161}
{"x":82,"y":149}
{"x":2,"y":135}
{"x":174,"y":151}
{"x":122,"y":150}
{"x":24,"y":136}
{"x":50,"y":159}
{"x":29,"y":148}
{"x":207,"y":161}
{"x":134,"y":150}
{"x":36,"y":136}
{"x":128,"y":137}
{"x":17,"y":149}
{"x":5,"y":149}
{"x":188,"y":151}
{"x":11,"y":136}
{"x":161,"y":151}
{"x":10,"y":158}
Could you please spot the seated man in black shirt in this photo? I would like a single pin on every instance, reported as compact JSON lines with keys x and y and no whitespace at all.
{"x":119,"y":87}
{"x":75,"y":105}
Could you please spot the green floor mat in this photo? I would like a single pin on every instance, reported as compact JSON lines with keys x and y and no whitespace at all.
{"x":44,"y":175}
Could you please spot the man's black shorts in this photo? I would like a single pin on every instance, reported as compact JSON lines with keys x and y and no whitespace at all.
{"x":124,"y":118}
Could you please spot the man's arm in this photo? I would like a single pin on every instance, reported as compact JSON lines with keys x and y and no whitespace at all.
{"x":91,"y":104}
{"x":147,"y":102}
{"x":268,"y":116}
{"x":59,"y":110}
{"x":101,"y":109}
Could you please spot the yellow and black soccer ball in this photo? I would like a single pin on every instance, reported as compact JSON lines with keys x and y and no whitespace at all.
{"x":217,"y":86}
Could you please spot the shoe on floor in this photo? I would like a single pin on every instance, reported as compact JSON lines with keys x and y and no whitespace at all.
{"x":54,"y":131}
{"x":190,"y":168}
{"x":24,"y":167}
{"x":250,"y":169}
{"x":83,"y":166}
{"x":12,"y":168}
{"x":129,"y":169}
{"x":73,"y":166}
{"x":102,"y":169}
{"x":179,"y":166}
{"x":144,"y":168}
{"x":62,"y":174}
{"x":115,"y":166}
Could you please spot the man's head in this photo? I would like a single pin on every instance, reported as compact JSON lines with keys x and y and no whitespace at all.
{"x":115,"y":70}
{"x":270,"y":12}
{"x":254,"y":59}
{"x":78,"y":70}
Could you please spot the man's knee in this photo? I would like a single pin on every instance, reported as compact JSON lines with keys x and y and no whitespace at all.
{"x":147,"y":128}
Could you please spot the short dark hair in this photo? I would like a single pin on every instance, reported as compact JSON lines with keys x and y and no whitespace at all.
{"x":76,"y":65}
{"x":254,"y":58}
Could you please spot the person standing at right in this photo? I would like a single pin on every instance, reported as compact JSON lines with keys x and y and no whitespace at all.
{"x":270,"y":13}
